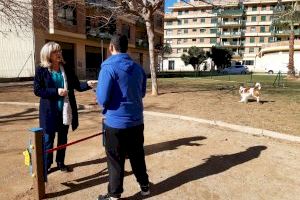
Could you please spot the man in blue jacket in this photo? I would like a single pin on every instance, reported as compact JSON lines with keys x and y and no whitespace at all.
{"x":121,"y":88}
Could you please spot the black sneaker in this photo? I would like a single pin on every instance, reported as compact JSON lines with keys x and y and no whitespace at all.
{"x":64,"y":168}
{"x":106,"y":197}
{"x":145,"y":190}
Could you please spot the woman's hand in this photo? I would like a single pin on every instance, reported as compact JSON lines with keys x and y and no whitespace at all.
{"x":92,"y":83}
{"x":62,"y":92}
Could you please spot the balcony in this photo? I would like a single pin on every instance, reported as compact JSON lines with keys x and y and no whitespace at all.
{"x":94,"y":33}
{"x":232,"y":23}
{"x":230,"y":44}
{"x":285,"y":32}
{"x":231,"y":13}
{"x":231,"y":34}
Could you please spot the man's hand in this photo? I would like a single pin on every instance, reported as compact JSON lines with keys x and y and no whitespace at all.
{"x":92,"y":83}
{"x":62,"y":92}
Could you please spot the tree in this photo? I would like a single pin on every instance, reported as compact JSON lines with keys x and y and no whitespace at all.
{"x":163,"y":50}
{"x":145,"y":9}
{"x":195,"y":57}
{"x":221,"y":56}
{"x":285,"y":19}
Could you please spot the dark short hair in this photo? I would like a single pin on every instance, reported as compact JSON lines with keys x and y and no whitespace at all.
{"x":120,"y":42}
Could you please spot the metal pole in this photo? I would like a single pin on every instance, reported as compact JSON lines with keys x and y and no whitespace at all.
{"x":102,"y":50}
{"x":38,"y":175}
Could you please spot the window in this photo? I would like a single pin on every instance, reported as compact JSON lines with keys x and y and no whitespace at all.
{"x":194,"y":39}
{"x":214,"y":20}
{"x":67,"y":14}
{"x":179,"y":22}
{"x":171,"y":65}
{"x":248,"y":62}
{"x":195,"y":20}
{"x":169,"y":23}
{"x":201,"y":40}
{"x":262,"y":29}
{"x":126,"y":30}
{"x":185,"y":30}
{"x":169,"y":32}
{"x":202,"y":20}
{"x":202,"y":30}
{"x":169,"y":41}
{"x":254,"y":8}
{"x":252,"y":40}
{"x":179,"y":31}
{"x":194,"y":30}
{"x":179,"y":41}
{"x":185,"y":50}
{"x":186,"y":12}
{"x":186,"y":21}
{"x":253,"y":29}
{"x":179,"y":12}
{"x":261,"y":39}
{"x":213,"y":40}
{"x":253,"y":19}
{"x":263,"y":7}
{"x":213,"y":30}
{"x":271,"y":39}
{"x":263,"y":18}
{"x":272,"y":7}
{"x":251,"y":50}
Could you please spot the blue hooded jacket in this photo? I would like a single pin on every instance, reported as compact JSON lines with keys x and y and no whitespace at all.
{"x":121,"y":88}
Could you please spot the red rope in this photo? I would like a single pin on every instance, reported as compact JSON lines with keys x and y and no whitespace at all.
{"x":77,"y":141}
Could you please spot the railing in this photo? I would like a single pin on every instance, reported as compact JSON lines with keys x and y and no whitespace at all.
{"x":231,"y":12}
{"x":228,"y":23}
{"x":229,"y":43}
{"x":279,"y":44}
{"x":285,"y":32}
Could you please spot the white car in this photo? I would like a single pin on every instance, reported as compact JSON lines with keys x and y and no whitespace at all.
{"x":236,"y":69}
{"x":283,"y":68}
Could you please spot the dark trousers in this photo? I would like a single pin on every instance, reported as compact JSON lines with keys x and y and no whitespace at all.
{"x":62,"y":138}
{"x":118,"y":144}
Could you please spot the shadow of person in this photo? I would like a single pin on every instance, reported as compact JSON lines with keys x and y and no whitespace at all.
{"x":213,"y":165}
{"x":102,"y":177}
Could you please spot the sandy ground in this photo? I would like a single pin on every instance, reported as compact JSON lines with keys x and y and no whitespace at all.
{"x":185,"y":160}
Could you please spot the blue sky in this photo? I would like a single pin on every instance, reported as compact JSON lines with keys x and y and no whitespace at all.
{"x":169,"y":3}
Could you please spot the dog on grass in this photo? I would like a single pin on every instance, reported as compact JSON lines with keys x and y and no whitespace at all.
{"x":247,"y":93}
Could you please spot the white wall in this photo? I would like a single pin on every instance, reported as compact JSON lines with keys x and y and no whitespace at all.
{"x":179,"y":65}
{"x":16,"y":51}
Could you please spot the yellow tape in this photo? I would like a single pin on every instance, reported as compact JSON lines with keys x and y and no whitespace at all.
{"x":27,"y":157}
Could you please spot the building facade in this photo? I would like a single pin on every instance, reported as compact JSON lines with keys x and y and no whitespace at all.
{"x":242,"y":26}
{"x":84,"y":45}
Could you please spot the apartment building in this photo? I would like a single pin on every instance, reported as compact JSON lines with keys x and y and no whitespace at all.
{"x":242,"y":26}
{"x":84,"y":45}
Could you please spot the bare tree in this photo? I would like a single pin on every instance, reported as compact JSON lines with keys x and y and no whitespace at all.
{"x":144,"y":9}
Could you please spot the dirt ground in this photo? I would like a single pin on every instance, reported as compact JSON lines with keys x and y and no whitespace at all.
{"x":278,"y":112}
{"x":185,"y":160}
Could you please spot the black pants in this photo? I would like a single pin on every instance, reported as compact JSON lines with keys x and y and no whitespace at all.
{"x":118,"y":144}
{"x":62,"y":138}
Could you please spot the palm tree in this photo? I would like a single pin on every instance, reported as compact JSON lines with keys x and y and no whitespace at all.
{"x":285,"y":19}
{"x":195,"y":57}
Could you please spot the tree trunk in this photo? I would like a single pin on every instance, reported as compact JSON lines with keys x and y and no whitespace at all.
{"x":291,"y":67}
{"x":150,"y":33}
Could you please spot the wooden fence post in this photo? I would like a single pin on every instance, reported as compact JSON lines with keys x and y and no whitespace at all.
{"x":37,"y":156}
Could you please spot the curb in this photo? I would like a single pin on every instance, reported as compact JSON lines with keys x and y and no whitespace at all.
{"x":240,"y":128}
{"x":244,"y":129}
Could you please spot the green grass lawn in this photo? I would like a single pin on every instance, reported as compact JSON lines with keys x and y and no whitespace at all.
{"x":289,"y":89}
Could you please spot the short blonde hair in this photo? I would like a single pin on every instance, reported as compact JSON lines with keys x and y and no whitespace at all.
{"x":46,"y":51}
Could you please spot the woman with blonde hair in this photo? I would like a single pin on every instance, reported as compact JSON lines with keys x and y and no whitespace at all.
{"x":55,"y":85}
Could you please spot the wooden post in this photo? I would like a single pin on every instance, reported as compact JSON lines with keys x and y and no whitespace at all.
{"x":38,"y":163}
